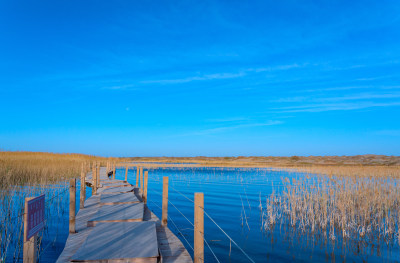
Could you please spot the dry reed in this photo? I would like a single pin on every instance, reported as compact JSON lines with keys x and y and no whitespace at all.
{"x":350,"y":203}
{"x":26,"y":174}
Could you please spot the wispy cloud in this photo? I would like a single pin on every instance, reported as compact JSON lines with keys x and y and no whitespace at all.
{"x":230,"y":119}
{"x":355,"y":97}
{"x":234,"y":127}
{"x":335,"y":107}
{"x":226,"y":75}
{"x":196,"y":78}
{"x":119,"y":87}
{"x":277,"y":68}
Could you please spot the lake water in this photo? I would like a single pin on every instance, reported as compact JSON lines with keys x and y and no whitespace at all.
{"x":232,"y":198}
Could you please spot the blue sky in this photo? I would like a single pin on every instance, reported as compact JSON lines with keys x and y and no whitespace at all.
{"x":188,"y":78}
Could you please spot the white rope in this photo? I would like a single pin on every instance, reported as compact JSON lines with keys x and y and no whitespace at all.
{"x":175,"y":226}
{"x":189,"y":223}
{"x":182,"y":194}
{"x":227,"y":235}
{"x":215,"y":256}
{"x":175,"y":208}
{"x":217,"y":226}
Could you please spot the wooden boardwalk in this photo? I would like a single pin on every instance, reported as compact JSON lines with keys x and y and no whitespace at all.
{"x":116,"y":226}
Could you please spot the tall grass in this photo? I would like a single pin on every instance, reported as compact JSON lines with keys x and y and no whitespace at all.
{"x":26,"y":174}
{"x":18,"y":168}
{"x":357,"y":204}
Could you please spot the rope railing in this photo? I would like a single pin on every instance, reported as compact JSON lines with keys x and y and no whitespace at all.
{"x":175,"y":226}
{"x":212,"y":220}
{"x":212,"y":252}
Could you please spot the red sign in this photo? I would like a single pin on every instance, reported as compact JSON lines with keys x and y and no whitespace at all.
{"x":35,"y":216}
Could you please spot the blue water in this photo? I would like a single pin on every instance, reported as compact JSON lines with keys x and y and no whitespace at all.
{"x":232,"y":199}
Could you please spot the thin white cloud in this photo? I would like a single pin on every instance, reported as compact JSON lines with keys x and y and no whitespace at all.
{"x":230,"y":119}
{"x":355,"y":97}
{"x":335,"y":107}
{"x":228,"y":75}
{"x":196,"y":78}
{"x":119,"y":87}
{"x":230,"y":128}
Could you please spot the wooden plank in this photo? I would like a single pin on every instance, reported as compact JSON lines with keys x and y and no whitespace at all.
{"x":117,"y":198}
{"x":120,"y":241}
{"x":121,"y":189}
{"x":118,"y":213}
{"x":171,"y":248}
{"x":111,"y":185}
{"x":75,"y":241}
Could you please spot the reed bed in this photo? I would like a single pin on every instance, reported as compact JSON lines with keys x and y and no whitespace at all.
{"x":27,"y":174}
{"x":18,"y":168}
{"x":357,"y":204}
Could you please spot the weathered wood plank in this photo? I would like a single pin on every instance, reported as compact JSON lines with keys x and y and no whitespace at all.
{"x":113,"y":241}
{"x":117,"y":189}
{"x":118,"y":213}
{"x":117,"y":198}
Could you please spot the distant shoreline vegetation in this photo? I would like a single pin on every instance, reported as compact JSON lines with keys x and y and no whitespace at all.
{"x":40,"y":167}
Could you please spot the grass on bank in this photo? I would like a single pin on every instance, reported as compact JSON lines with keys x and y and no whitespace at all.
{"x":17,"y":168}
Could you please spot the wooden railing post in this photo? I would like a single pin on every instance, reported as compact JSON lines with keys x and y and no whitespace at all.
{"x":141,"y":179}
{"x":98,"y":175}
{"x":146,"y":175}
{"x":30,"y":245}
{"x":72,"y":206}
{"x":137,"y":176}
{"x":126,"y":173}
{"x":115,"y":170}
{"x":94,"y":186}
{"x":164,"y":219}
{"x":83,"y":189}
{"x":198,"y":228}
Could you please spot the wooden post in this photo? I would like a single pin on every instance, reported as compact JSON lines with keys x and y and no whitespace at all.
{"x":72,"y":207}
{"x":141,"y":179}
{"x":94,"y":180}
{"x":30,"y":245}
{"x":164,"y":220}
{"x":126,"y":174}
{"x":198,"y":228}
{"x":98,"y":175}
{"x":83,"y":189}
{"x":146,"y":175}
{"x":115,"y":170}
{"x":137,"y":176}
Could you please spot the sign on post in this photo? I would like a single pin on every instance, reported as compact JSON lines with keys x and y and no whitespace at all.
{"x":35,"y":216}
